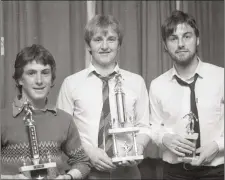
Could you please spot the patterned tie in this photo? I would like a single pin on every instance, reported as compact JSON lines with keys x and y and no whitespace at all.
{"x":104,"y":139}
{"x":194,"y":109}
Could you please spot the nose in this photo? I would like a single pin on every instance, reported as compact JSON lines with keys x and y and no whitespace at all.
{"x":180,"y":43}
{"x":39,"y":80}
{"x":104,"y":45}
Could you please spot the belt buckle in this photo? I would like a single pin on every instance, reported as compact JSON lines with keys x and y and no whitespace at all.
{"x":188,"y":167}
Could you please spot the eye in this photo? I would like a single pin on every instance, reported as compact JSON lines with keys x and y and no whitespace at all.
{"x":97,"y":39}
{"x":46,"y":72}
{"x":30,"y":73}
{"x":187,"y":37}
{"x":172,"y":38}
{"x":112,"y":39}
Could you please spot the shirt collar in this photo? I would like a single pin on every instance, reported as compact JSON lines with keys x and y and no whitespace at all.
{"x":91,"y":68}
{"x":199,"y":70}
{"x":18,"y":105}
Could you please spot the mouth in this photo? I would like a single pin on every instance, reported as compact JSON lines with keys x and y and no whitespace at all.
{"x":104,"y":53}
{"x":183,"y":51}
{"x":39,"y":89}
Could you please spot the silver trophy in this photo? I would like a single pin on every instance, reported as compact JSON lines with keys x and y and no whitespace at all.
{"x":122,"y":129}
{"x":192,"y":136}
{"x":35,"y":170}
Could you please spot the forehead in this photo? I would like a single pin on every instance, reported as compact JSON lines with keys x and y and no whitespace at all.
{"x":105,"y":32}
{"x":183,"y":28}
{"x":34,"y":65}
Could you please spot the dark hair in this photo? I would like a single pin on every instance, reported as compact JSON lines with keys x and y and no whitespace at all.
{"x":177,"y":17}
{"x":32,"y":53}
{"x":102,"y":22}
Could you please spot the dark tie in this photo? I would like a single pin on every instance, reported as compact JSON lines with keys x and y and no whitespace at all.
{"x":194,"y":109}
{"x":104,"y":139}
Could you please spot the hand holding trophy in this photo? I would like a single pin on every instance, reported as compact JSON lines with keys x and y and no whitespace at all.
{"x":37,"y":170}
{"x":190,"y":135}
{"x":121,"y":128}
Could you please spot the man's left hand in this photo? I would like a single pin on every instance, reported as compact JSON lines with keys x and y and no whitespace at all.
{"x":140,"y":150}
{"x":207,"y":154}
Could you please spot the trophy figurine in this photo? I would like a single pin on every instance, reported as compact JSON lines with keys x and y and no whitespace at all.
{"x":191,"y":136}
{"x":36,"y":170}
{"x":122,"y":129}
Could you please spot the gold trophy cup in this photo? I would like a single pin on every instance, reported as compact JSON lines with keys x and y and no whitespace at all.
{"x":122,"y":129}
{"x":36,"y":170}
{"x":191,"y":136}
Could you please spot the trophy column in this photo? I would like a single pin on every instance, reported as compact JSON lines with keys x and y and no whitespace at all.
{"x":118,"y":128}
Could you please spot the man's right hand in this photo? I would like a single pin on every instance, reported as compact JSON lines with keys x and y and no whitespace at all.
{"x":100,"y":160}
{"x":178,"y":144}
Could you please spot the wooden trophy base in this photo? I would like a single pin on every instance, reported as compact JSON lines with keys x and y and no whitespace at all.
{"x":127,"y":158}
{"x":39,"y":171}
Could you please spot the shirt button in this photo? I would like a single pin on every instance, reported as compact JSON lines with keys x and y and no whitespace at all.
{"x":162,"y":124}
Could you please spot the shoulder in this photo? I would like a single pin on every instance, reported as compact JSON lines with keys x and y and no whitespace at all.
{"x":71,"y":81}
{"x":131,"y":76}
{"x":63,"y":115}
{"x":216,"y":70}
{"x":162,"y":79}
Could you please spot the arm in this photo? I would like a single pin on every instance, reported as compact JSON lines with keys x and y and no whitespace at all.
{"x":65,"y":100}
{"x":142,"y":116}
{"x":78,"y":159}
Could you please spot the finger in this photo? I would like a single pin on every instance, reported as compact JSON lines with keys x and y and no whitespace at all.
{"x":106,"y":165}
{"x":187,"y":142}
{"x":199,"y":161}
{"x":184,"y":150}
{"x":106,"y":161}
{"x":177,"y":152}
{"x":199,"y":150}
{"x":187,"y":147}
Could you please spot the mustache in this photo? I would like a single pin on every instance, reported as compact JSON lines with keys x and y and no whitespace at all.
{"x":181,"y":50}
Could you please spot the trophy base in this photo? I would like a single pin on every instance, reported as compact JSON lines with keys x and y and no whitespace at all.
{"x":123,"y":130}
{"x":188,"y":159}
{"x":39,"y":171}
{"x":127,"y":158}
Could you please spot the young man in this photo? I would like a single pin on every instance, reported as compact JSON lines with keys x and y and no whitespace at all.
{"x":189,"y":86}
{"x":56,"y":131}
{"x":82,"y":95}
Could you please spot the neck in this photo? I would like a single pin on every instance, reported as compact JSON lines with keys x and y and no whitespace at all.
{"x":187,"y":70}
{"x":104,"y":70}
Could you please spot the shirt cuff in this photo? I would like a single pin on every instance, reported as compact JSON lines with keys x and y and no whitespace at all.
{"x":220,"y":143}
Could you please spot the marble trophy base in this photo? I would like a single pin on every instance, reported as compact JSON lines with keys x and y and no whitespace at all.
{"x":190,"y":158}
{"x":125,"y":130}
{"x":39,"y":171}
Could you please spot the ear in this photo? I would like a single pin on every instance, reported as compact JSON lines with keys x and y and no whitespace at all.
{"x":198,"y":41}
{"x":87,"y":47}
{"x":20,"y":82}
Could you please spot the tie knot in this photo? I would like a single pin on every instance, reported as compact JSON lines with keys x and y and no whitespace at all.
{"x":183,"y":83}
{"x":105,"y":79}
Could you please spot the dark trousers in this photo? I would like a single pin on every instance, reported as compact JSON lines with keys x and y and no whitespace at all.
{"x":180,"y":172}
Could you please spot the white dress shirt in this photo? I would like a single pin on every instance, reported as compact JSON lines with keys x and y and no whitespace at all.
{"x":81,"y":96}
{"x":170,"y":102}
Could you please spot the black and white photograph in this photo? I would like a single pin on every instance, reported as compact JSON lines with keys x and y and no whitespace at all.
{"x":112,"y":89}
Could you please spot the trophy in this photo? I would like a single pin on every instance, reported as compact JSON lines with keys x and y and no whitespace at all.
{"x":36,"y":170}
{"x":192,"y":136}
{"x":122,"y":129}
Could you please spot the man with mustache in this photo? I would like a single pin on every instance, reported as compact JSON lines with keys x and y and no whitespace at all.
{"x":35,"y":72}
{"x":191,"y":85}
{"x":82,"y":95}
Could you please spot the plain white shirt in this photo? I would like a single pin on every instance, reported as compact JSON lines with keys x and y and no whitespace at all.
{"x":81,"y":96}
{"x":170,"y":102}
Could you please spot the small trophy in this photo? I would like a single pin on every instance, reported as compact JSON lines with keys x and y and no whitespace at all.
{"x":191,"y":136}
{"x":37,"y":170}
{"x":122,"y":129}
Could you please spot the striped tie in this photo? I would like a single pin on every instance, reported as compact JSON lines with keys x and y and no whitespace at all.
{"x":104,"y":139}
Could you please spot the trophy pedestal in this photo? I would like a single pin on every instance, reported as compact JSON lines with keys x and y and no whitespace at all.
{"x":189,"y":158}
{"x":123,"y":130}
{"x":39,"y":171}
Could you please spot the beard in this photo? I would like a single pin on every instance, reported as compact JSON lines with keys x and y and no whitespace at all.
{"x":183,"y":59}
